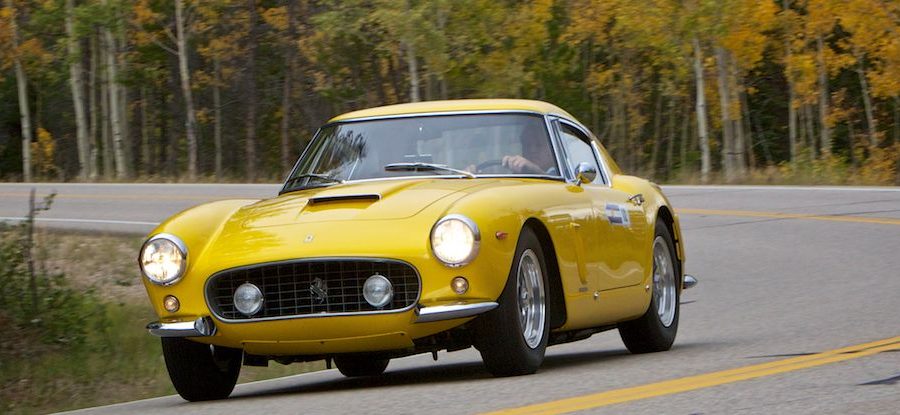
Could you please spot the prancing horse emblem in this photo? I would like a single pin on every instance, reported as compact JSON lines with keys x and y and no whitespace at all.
{"x":319,"y":290}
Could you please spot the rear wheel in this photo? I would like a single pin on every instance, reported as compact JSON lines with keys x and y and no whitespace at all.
{"x":655,"y":330}
{"x":360,"y":365}
{"x":512,"y":338}
{"x":201,"y":372}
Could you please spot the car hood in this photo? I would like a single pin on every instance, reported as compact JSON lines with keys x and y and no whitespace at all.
{"x":375,"y":200}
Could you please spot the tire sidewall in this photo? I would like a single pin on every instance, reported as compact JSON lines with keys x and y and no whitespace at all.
{"x":528,"y":240}
{"x":667,"y":332}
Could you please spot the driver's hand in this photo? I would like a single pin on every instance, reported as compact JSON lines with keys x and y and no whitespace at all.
{"x":519,"y":164}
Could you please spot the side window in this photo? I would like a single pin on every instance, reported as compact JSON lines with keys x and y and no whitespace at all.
{"x":578,"y":150}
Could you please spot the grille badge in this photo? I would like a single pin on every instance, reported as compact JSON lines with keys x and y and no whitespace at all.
{"x":319,"y":290}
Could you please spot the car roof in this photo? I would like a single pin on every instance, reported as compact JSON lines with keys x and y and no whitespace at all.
{"x":461,"y":105}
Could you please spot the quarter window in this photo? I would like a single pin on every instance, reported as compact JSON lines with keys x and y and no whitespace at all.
{"x":578,"y":150}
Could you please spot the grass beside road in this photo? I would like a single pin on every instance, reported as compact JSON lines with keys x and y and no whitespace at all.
{"x":116,"y":360}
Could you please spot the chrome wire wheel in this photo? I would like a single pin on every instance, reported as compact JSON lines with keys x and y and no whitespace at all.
{"x":664,"y":282}
{"x":530,"y":298}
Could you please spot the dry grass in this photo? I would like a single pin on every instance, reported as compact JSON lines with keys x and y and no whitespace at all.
{"x":120,"y":361}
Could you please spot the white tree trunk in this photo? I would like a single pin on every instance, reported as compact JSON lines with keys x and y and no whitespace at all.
{"x":824,"y":129}
{"x":705,"y":164}
{"x":286,"y":94}
{"x":94,"y":168}
{"x":867,"y":103}
{"x":76,"y":72}
{"x":105,"y":135}
{"x":115,"y":104}
{"x":792,"y":95}
{"x":728,"y":164}
{"x":22,"y":87}
{"x":190,"y":121}
{"x":217,"y":114}
{"x":145,"y":134}
{"x":413,"y":64}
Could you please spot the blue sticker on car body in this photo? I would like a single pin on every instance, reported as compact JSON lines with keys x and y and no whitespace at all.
{"x":617,"y":214}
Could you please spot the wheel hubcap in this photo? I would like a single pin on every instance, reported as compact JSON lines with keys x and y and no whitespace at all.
{"x":664,"y":282}
{"x":530,"y":288}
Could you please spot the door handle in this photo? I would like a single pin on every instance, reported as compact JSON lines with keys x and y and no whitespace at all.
{"x":636,"y":200}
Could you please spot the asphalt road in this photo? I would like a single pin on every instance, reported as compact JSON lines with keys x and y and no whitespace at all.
{"x":785,"y":274}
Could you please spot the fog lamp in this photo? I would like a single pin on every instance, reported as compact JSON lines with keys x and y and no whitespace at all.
{"x":171,"y":303}
{"x":459,"y":285}
{"x":248,"y":299}
{"x":377,"y":291}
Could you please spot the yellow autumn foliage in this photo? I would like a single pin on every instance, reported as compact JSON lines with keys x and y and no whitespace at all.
{"x":42,"y":152}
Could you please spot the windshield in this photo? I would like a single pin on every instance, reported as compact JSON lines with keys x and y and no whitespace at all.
{"x":452,"y":145}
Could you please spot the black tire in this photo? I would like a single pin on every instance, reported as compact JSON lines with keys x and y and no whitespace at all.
{"x":201,"y":372}
{"x":499,"y":334}
{"x":648,"y":334}
{"x":353,"y":366}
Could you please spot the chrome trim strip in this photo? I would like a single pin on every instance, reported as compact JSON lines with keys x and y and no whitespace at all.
{"x":689,"y":282}
{"x":201,"y":327}
{"x":317,"y":315}
{"x":432,"y":114}
{"x":453,"y":311}
{"x":604,"y":169}
{"x":181,"y":247}
{"x":457,"y":176}
{"x":336,"y":198}
{"x":556,"y":144}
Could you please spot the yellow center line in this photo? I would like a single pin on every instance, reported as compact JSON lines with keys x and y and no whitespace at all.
{"x":689,"y":383}
{"x":779,"y":215}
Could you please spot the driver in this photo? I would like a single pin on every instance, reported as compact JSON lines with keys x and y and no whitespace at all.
{"x":536,"y":157}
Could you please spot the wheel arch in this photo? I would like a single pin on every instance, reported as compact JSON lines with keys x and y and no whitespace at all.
{"x":665,"y":215}
{"x":556,"y":301}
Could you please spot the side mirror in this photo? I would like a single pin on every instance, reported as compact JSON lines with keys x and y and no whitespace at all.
{"x":585,"y":173}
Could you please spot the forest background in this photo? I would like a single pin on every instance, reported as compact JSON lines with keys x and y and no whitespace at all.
{"x":741,"y":91}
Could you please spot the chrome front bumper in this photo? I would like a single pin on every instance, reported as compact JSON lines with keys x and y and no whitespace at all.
{"x":452,"y":311}
{"x":201,"y":327}
{"x":689,"y":282}
{"x":205,"y":327}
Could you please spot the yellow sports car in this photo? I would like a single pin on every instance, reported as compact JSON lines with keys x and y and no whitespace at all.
{"x":414,"y":228}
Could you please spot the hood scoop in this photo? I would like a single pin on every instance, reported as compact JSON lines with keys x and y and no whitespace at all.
{"x":318,"y":200}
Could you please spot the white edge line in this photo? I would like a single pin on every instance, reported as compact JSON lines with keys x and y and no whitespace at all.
{"x":795,"y":188}
{"x":116,"y":405}
{"x":67,"y":220}
{"x":206,"y":185}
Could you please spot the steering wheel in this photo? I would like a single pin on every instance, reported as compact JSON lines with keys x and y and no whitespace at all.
{"x":491,"y":164}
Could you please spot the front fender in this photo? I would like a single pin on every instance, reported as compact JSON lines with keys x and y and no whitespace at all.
{"x":196,"y":227}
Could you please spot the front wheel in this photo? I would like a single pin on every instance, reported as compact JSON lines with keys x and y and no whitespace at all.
{"x":201,"y":372}
{"x":512,"y":338}
{"x":655,"y":330}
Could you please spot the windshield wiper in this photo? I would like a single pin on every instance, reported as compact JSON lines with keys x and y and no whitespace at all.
{"x":425,"y":166}
{"x":293,"y":180}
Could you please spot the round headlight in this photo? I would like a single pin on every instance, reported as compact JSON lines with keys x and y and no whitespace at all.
{"x":163,"y":259}
{"x":248,"y":299}
{"x":378,"y":291}
{"x":454,"y":240}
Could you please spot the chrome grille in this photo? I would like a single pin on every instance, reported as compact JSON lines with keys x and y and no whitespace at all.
{"x":289,"y":288}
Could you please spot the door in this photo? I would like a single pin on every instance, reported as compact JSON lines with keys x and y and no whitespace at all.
{"x":613,"y":246}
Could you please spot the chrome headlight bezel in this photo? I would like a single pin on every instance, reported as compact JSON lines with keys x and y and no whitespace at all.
{"x":179,"y":246}
{"x":475,"y":240}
